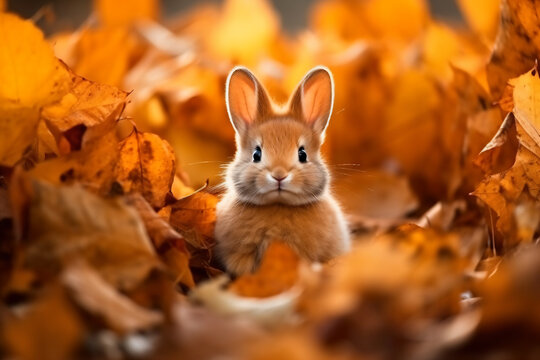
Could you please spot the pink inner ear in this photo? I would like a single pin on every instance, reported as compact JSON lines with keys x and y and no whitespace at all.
{"x":317,"y":97}
{"x":242,"y":97}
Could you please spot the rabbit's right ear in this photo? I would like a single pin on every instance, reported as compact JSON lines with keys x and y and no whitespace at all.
{"x":247,"y":101}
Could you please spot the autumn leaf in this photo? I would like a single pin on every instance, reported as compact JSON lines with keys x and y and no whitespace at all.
{"x":93,"y":166}
{"x":146,"y":164}
{"x":513,"y":190}
{"x":68,"y":222}
{"x":373,"y":18}
{"x":374,"y":198}
{"x":194,"y":216}
{"x":99,"y":297}
{"x":500,"y":152}
{"x":34,"y":336}
{"x":31,"y":78}
{"x":516,"y":46}
{"x":235,"y":18}
{"x":93,"y":49}
{"x":277,"y":273}
{"x":169,"y":244}
{"x":482,"y":16}
{"x":86,"y":105}
{"x":126,"y":12}
{"x":197,"y":213}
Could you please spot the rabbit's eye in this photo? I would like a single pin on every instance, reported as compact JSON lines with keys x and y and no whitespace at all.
{"x":257,"y":154}
{"x":302,"y":155}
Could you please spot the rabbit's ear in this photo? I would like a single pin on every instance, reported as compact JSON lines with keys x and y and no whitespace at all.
{"x":247,"y":101}
{"x":313,"y":100}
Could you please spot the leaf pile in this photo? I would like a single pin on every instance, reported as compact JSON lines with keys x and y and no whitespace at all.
{"x":106,"y":249}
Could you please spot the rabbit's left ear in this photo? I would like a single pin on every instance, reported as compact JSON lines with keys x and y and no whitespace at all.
{"x":313,"y":100}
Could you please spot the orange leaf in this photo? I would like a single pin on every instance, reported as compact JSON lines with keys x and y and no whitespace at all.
{"x":146,"y":164}
{"x":87,"y":104}
{"x":277,"y":273}
{"x":126,"y":12}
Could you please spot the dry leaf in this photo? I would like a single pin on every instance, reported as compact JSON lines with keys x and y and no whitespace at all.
{"x":146,"y":165}
{"x":482,"y":16}
{"x":237,"y":16}
{"x":126,"y":12}
{"x":517,"y":44}
{"x":375,"y":194}
{"x":169,"y":244}
{"x":50,"y":329}
{"x":98,"y":297}
{"x":68,"y":222}
{"x":93,"y":49}
{"x":31,"y":77}
{"x":86,"y":105}
{"x":196,"y":213}
{"x":277,"y":273}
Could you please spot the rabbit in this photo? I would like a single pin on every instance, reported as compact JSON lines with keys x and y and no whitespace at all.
{"x":277,"y":186}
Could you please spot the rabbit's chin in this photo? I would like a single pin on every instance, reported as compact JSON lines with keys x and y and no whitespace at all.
{"x":283,"y":197}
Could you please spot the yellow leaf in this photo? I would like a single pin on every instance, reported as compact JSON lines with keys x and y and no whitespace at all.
{"x":379,"y":19}
{"x":97,"y":47}
{"x":387,"y":17}
{"x":126,"y":12}
{"x":527,"y":104}
{"x":31,"y":77}
{"x":482,"y":16}
{"x":245,"y":31}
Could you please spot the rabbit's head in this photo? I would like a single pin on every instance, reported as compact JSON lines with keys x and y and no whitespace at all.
{"x":278,"y":156}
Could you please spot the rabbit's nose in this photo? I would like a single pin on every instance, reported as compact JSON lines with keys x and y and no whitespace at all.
{"x":279,"y":174}
{"x":279,"y":179}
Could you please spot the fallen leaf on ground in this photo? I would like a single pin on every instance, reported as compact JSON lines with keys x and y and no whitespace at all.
{"x":86,"y":105}
{"x":51,"y":329}
{"x":146,"y":165}
{"x":100,"y":298}
{"x":169,"y":244}
{"x":126,"y":12}
{"x":31,"y":77}
{"x":277,"y":273}
{"x":69,"y":222}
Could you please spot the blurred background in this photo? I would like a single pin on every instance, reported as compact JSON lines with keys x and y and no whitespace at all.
{"x":294,"y":14}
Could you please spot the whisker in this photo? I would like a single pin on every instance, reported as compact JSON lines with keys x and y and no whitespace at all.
{"x":207,"y":162}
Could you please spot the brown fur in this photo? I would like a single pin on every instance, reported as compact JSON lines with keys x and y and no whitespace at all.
{"x":256,"y":208}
